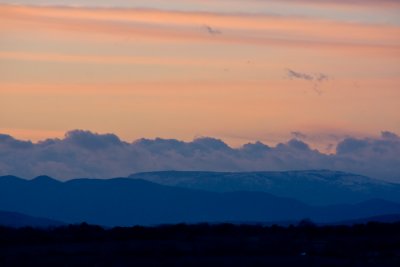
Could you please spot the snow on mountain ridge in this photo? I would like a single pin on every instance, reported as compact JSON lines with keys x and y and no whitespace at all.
{"x":313,"y":187}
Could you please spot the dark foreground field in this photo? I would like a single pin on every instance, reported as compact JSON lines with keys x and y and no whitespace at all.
{"x":373,"y":244}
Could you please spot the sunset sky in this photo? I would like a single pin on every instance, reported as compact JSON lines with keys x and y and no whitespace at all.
{"x":239,"y":70}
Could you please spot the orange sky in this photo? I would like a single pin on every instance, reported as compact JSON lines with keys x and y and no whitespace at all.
{"x":145,"y":72}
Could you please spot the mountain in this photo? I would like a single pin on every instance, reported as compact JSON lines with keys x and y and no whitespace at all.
{"x":314,"y":187}
{"x":124,"y":201}
{"x":14,"y":219}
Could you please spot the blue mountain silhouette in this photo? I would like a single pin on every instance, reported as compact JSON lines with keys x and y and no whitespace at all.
{"x":15,"y":219}
{"x":124,"y":201}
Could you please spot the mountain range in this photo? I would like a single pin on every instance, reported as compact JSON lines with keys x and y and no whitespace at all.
{"x":129,"y":201}
{"x":314,"y":187}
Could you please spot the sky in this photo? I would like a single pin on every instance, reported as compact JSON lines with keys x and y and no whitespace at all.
{"x":241,"y":71}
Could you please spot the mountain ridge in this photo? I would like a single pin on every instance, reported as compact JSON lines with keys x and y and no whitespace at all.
{"x":16,"y":219}
{"x":314,"y":187}
{"x":126,"y":201}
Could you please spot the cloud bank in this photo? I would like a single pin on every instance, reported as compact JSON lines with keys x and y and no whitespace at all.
{"x":86,"y":154}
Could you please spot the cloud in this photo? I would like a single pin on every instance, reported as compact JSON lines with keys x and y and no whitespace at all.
{"x":291,"y":74}
{"x":89,"y":140}
{"x":86,"y":154}
{"x":316,"y":79}
{"x":211,"y":30}
{"x":389,"y":143}
{"x":359,"y":3}
{"x":7,"y":141}
{"x":377,"y":157}
{"x":389,"y":135}
{"x":298,"y":135}
{"x":299,"y":145}
{"x":351,"y":145}
{"x":99,"y":24}
{"x":104,"y":59}
{"x":254,"y":149}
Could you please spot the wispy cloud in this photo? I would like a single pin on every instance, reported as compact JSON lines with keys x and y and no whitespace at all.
{"x":358,"y":3}
{"x":211,"y":30}
{"x":315,"y":78}
{"x":331,"y":2}
{"x":299,"y":75}
{"x":109,"y":59}
{"x":184,"y":26}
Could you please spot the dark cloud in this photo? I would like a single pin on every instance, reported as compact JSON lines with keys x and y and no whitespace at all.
{"x":291,"y":74}
{"x":377,"y":157}
{"x":297,"y":144}
{"x":389,"y":143}
{"x":316,"y":79}
{"x":208,"y":143}
{"x":91,"y":140}
{"x":255,"y":148}
{"x":389,"y":135}
{"x":351,"y":145}
{"x":87,"y":154}
{"x":160,"y":145}
{"x":10,"y":142}
{"x":211,"y":30}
